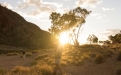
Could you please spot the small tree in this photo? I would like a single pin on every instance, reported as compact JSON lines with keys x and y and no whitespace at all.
{"x":116,"y":38}
{"x":92,"y":39}
{"x":95,"y":39}
{"x":89,"y":39}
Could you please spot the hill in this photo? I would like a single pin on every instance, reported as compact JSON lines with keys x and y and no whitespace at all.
{"x":16,"y":31}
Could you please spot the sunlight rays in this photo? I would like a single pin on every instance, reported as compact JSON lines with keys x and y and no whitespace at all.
{"x":63,"y":38}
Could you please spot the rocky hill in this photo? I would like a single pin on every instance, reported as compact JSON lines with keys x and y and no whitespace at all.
{"x":16,"y":31}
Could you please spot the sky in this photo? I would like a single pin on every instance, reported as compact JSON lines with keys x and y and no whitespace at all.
{"x":104,"y":20}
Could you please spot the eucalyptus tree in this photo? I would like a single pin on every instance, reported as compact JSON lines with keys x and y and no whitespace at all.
{"x":69,"y":22}
{"x":55,"y":27}
{"x":81,"y":15}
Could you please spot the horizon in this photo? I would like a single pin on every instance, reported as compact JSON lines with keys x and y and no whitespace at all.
{"x":103,"y":21}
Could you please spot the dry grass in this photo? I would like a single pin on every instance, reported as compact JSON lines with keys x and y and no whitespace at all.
{"x":20,"y":70}
{"x":3,"y":71}
{"x":119,"y":57}
{"x":100,"y":59}
{"x":35,"y":51}
{"x":12,"y":54}
{"x":9,"y":54}
{"x":118,"y":72}
{"x":28,"y":54}
{"x":42,"y":65}
{"x":41,"y":56}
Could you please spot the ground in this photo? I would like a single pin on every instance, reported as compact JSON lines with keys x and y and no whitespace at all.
{"x":109,"y":67}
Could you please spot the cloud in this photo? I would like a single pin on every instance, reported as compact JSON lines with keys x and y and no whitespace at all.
{"x":40,"y":9}
{"x":99,"y":16}
{"x":42,"y":16}
{"x":66,"y":0}
{"x":39,"y":6}
{"x":103,"y":35}
{"x":88,"y":3}
{"x":105,"y":9}
{"x":111,"y":31}
{"x":7,"y":5}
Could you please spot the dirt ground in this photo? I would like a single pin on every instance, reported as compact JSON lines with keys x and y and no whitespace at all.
{"x":10,"y":62}
{"x":88,"y":68}
{"x":109,"y":67}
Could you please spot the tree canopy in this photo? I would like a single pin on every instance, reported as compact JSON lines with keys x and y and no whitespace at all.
{"x":92,"y":39}
{"x":116,"y":38}
{"x":70,"y":22}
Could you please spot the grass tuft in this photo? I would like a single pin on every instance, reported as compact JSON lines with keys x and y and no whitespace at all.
{"x":99,"y":59}
{"x":119,"y":57}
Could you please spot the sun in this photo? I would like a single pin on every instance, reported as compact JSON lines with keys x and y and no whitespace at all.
{"x":63,"y":38}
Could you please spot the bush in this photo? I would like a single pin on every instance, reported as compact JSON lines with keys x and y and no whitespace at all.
{"x":119,"y":57}
{"x":2,"y":71}
{"x":33,"y":63}
{"x":46,"y":70}
{"x":92,"y":55}
{"x":119,"y":71}
{"x":41,"y":56}
{"x":20,"y":70}
{"x":35,"y":51}
{"x":28,"y":54}
{"x":109,"y":53}
{"x":15,"y":53}
{"x":63,"y":63}
{"x":9,"y":54}
{"x":43,"y":69}
{"x":99,"y":59}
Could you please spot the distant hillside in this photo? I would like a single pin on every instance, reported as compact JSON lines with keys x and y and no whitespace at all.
{"x":16,"y":31}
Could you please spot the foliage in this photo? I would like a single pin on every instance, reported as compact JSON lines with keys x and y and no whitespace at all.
{"x":35,"y":70}
{"x":20,"y":70}
{"x":119,"y":71}
{"x":116,"y":38}
{"x":15,"y":53}
{"x":46,"y":70}
{"x":92,"y":39}
{"x":41,"y":56}
{"x":99,"y":59}
{"x":9,"y":54}
{"x":3,"y":71}
{"x":28,"y":54}
{"x":35,"y":51}
{"x":119,"y":56}
{"x":68,"y":22}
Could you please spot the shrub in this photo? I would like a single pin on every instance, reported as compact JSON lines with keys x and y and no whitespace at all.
{"x":119,"y":71}
{"x":2,"y":71}
{"x":50,"y":61}
{"x":63,"y":63}
{"x":41,"y":56}
{"x":35,"y":70}
{"x":46,"y":70}
{"x":119,"y":57}
{"x":28,"y":54}
{"x":34,"y":63}
{"x":9,"y":54}
{"x":35,"y":51}
{"x":43,"y":69}
{"x":15,"y":53}
{"x":109,"y":53}
{"x":99,"y":59}
{"x":20,"y":70}
{"x":92,"y":55}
